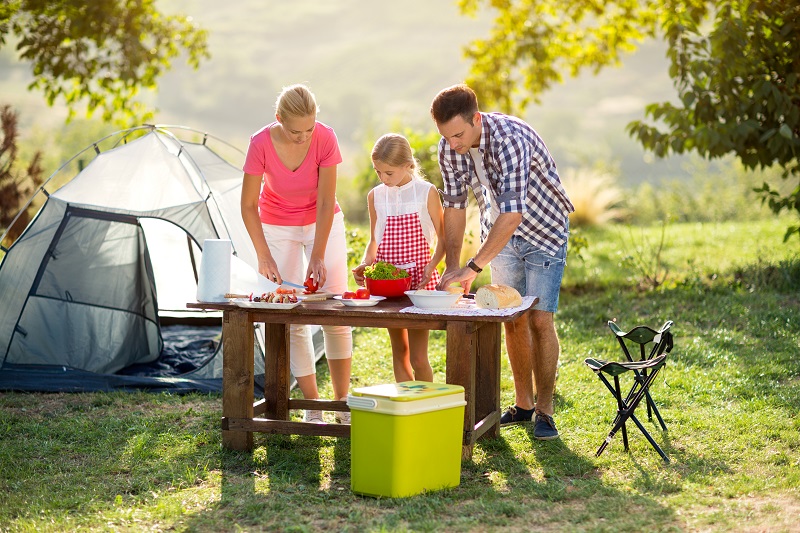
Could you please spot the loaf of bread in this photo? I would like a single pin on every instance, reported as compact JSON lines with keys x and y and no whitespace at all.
{"x":495,"y":296}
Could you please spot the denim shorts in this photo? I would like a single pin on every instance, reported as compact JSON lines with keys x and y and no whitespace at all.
{"x":532,"y":271}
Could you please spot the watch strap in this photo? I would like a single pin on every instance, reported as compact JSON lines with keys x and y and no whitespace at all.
{"x":471,"y":264}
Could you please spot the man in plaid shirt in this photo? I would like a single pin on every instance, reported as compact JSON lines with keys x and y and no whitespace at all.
{"x":524,"y":232}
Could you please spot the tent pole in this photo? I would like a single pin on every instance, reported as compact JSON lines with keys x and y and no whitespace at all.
{"x":191,"y":256}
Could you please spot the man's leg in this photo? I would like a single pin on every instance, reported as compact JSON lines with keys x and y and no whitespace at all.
{"x":520,"y":355}
{"x":545,"y":355}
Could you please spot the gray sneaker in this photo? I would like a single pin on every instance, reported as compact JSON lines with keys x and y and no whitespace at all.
{"x":315,"y":417}
{"x":544,"y":427}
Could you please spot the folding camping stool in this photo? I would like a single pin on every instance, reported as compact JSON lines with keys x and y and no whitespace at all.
{"x":658,"y":342}
{"x":644,"y":373}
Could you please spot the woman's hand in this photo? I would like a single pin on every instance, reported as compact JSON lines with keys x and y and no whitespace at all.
{"x":269,"y":269}
{"x":317,"y":270}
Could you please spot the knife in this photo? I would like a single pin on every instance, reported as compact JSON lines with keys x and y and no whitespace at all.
{"x":295,"y":285}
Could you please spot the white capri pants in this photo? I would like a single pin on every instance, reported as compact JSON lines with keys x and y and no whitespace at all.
{"x":291,"y":248}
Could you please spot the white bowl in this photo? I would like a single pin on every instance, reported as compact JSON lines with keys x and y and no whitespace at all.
{"x":433,"y":299}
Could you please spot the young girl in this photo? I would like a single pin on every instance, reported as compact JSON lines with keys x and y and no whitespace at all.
{"x":405,"y":216}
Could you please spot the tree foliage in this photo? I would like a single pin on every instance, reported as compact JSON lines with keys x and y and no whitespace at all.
{"x":99,"y":53}
{"x":735,"y":65}
{"x":16,"y":185}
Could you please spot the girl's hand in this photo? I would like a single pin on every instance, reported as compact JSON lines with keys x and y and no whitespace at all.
{"x":358,"y":274}
{"x":427,"y":272}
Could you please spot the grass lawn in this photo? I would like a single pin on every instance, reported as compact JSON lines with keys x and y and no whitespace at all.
{"x":730,"y":395}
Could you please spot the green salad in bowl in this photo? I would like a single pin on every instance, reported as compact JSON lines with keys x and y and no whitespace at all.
{"x":385,"y":279}
{"x":384,"y":270}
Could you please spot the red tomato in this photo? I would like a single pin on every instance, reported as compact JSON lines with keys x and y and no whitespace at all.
{"x":349,"y":295}
{"x":362,"y":294}
{"x":311,"y":285}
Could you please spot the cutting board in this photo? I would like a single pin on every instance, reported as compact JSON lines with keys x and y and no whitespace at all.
{"x":315,"y":297}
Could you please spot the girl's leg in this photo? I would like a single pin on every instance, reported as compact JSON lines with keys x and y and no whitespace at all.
{"x":400,"y":355}
{"x":418,"y":350}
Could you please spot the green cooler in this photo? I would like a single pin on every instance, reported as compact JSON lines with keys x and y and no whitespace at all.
{"x":405,"y":438}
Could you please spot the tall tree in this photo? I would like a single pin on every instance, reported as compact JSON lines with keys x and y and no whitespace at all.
{"x":735,"y":65}
{"x":16,"y":185}
{"x":99,"y":53}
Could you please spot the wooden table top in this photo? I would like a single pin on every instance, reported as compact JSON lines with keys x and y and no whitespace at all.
{"x":326,"y":312}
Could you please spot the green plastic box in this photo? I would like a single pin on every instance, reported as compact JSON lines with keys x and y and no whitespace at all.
{"x":405,"y":438}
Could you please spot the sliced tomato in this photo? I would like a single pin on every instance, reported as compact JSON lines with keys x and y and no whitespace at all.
{"x":348,"y":295}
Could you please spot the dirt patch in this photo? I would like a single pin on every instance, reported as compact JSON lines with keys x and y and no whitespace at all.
{"x":748,"y":514}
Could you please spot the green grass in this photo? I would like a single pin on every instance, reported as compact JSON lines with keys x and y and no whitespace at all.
{"x":730,"y":396}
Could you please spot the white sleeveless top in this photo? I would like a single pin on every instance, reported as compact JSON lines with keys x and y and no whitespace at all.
{"x":409,"y":198}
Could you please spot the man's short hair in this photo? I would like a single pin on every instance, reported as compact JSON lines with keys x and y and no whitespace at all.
{"x":458,"y":100}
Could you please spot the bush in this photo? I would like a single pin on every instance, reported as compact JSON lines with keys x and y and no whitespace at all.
{"x":721,"y":195}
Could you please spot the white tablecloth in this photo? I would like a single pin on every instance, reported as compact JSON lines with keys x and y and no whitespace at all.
{"x":467,"y":307}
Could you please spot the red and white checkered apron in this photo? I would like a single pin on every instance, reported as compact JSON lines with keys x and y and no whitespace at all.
{"x":404,"y":242}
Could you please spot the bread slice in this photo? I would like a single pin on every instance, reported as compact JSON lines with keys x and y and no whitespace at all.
{"x":495,"y":296}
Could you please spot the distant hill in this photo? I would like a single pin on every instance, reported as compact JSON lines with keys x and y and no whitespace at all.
{"x":374,"y":66}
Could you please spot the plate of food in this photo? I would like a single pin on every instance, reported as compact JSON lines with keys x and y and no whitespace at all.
{"x":359,"y":302}
{"x":280,"y":299}
{"x":266,"y":305}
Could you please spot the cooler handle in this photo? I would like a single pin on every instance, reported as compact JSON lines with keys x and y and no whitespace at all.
{"x":360,"y":402}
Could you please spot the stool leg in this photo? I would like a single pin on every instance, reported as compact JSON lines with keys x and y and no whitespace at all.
{"x":650,"y":439}
{"x":621,"y":411}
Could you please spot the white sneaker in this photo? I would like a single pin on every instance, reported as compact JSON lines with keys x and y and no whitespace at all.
{"x":315,"y":417}
{"x":342,"y":417}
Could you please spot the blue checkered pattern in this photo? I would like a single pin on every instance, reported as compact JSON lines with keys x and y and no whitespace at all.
{"x":522,"y":175}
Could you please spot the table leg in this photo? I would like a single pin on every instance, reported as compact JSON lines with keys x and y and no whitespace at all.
{"x":460,"y":362}
{"x":237,"y":376}
{"x":277,"y":373}
{"x":487,"y":395}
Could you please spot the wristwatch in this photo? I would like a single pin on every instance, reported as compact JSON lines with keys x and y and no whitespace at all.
{"x":473,"y":266}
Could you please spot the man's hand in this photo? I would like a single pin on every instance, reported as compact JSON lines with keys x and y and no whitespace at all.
{"x":464,"y":275}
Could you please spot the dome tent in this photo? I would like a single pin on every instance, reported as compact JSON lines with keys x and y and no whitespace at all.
{"x":88,"y":287}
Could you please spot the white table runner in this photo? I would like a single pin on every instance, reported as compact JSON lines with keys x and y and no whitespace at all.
{"x":467,"y":307}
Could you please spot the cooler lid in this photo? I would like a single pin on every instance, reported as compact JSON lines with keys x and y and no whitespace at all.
{"x":408,"y":391}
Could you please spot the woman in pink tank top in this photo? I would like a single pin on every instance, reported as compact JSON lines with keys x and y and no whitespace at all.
{"x":290,"y":211}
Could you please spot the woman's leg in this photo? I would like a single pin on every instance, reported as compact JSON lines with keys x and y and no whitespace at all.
{"x":401,"y":362}
{"x":286,"y":245}
{"x":418,"y":351}
{"x":338,"y":339}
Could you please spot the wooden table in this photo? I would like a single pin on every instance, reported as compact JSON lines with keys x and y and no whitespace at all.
{"x":472,"y":361}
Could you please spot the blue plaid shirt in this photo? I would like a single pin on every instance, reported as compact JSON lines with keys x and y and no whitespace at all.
{"x":523,"y":178}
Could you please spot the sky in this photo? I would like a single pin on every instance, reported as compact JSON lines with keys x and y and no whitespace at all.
{"x":374,"y":67}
